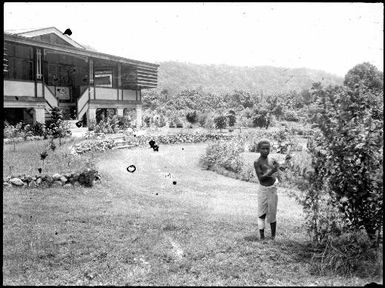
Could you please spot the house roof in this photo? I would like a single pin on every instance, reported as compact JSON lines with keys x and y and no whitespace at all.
{"x":49,"y":30}
{"x":146,"y":72}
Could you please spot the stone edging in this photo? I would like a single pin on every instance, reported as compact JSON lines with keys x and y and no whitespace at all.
{"x":86,"y":178}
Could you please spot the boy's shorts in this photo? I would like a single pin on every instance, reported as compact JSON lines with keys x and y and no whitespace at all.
{"x":267,"y":202}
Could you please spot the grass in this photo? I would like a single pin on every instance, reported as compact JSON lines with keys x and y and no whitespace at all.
{"x":139,"y":229}
{"x":26,"y":158}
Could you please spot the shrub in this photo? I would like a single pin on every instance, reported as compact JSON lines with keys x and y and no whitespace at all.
{"x":192,"y":117}
{"x":14,"y":132}
{"x":261,"y":118}
{"x":291,"y":116}
{"x":147,"y":120}
{"x":347,"y":158}
{"x":202,"y":119}
{"x":220,"y":122}
{"x":225,"y":154}
{"x":124,"y":122}
{"x":56,"y":127}
{"x":232,"y":118}
{"x":38,"y":129}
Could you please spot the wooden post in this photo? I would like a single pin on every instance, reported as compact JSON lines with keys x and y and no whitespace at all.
{"x":119,"y":78}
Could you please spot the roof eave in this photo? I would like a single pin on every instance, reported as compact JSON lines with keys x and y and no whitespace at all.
{"x":80,"y":51}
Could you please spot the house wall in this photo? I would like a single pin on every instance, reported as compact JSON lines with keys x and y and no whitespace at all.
{"x":129,"y":94}
{"x":19,"y":88}
{"x":106,"y":93}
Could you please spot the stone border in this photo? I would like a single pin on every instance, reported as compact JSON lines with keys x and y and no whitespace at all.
{"x":86,"y":178}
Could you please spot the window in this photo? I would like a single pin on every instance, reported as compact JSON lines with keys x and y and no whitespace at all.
{"x":103,"y":78}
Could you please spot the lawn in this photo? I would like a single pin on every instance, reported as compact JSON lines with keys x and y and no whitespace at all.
{"x":140,"y":229}
{"x":26,"y":158}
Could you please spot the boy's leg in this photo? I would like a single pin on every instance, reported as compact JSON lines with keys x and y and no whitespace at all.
{"x":273,"y":226}
{"x":261,"y":226}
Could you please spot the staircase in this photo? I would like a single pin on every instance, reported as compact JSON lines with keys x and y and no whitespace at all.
{"x":50,"y":102}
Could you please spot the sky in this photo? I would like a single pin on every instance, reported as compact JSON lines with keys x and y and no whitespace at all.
{"x":333,"y":37}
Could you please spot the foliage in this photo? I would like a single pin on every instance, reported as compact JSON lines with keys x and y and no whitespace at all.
{"x":231,"y":118}
{"x":347,"y":160}
{"x":124,"y":122}
{"x":366,"y":75}
{"x":147,"y":121}
{"x":38,"y":129}
{"x":192,"y":117}
{"x":159,"y":121}
{"x":12,"y":132}
{"x":202,"y":119}
{"x":291,"y":116}
{"x":56,"y":127}
{"x":111,"y":124}
{"x":225,"y":154}
{"x":220,"y":122}
{"x":261,"y":118}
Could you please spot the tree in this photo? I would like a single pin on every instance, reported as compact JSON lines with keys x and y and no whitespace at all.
{"x":220,"y":122}
{"x":192,"y":117}
{"x":365,"y":74}
{"x":232,"y":118}
{"x":262,"y":118}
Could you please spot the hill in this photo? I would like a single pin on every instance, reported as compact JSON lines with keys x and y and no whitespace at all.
{"x":176,"y":76}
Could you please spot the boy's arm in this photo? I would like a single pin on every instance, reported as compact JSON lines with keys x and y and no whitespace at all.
{"x":260,"y":174}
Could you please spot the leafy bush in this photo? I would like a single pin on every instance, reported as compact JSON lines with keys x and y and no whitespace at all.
{"x":124,"y":122}
{"x":56,"y":127}
{"x":108,"y":125}
{"x":202,"y":119}
{"x":159,"y":120}
{"x":225,"y":154}
{"x":192,"y":117}
{"x":347,"y":158}
{"x":291,"y":116}
{"x":220,"y":122}
{"x":38,"y":129}
{"x":231,"y":117}
{"x":261,"y":118}
{"x":147,"y":121}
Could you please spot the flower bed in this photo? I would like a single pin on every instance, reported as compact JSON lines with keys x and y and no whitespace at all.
{"x":98,"y":142}
{"x":85,"y":178}
{"x":96,"y":145}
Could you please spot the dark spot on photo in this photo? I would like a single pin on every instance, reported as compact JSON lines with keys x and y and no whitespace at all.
{"x":174,"y":182}
{"x":131,"y":168}
{"x":68,"y":32}
{"x":152,"y":143}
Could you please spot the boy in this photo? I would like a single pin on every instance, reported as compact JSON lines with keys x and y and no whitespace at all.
{"x":266,"y":168}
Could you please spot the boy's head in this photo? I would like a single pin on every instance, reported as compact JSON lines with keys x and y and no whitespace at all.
{"x":263,"y":147}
